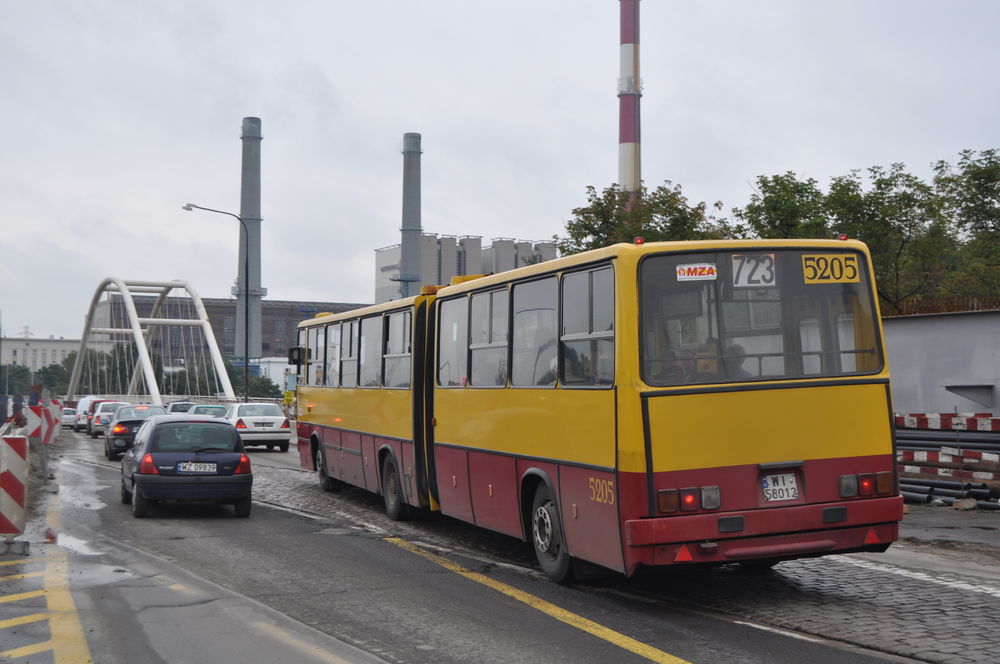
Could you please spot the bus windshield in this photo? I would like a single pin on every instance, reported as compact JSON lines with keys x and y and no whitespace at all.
{"x":756,"y":315}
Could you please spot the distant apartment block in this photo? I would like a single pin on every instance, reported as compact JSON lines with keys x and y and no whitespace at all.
{"x":35,"y":353}
{"x":445,"y":256}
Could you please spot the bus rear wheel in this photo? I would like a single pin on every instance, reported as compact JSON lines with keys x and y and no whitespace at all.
{"x":392,"y":492}
{"x":547,"y":537}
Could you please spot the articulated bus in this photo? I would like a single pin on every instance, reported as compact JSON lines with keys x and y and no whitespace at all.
{"x":638,"y":405}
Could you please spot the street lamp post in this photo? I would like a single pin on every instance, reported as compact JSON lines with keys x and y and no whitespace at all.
{"x":246,"y":292}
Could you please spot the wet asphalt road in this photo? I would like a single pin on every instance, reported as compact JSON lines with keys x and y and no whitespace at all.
{"x":331,"y":565}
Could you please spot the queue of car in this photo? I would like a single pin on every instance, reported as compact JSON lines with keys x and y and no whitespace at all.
{"x":183,"y":452}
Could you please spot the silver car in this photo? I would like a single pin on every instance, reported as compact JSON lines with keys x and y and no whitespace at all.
{"x":261,"y":424}
{"x":103,"y":414}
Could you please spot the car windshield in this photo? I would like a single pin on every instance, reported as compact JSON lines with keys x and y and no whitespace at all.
{"x":69,"y":411}
{"x":208,"y":410}
{"x":260,"y":410}
{"x":139,"y":412}
{"x":195,"y":436}
{"x":110,"y":407}
{"x":180,"y":407}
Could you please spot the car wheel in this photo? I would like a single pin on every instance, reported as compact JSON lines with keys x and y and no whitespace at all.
{"x":126,"y":494}
{"x":326,"y":482}
{"x":242,"y":507}
{"x":392,"y":492}
{"x":140,"y":505}
{"x":547,"y":537}
{"x":283,"y":446}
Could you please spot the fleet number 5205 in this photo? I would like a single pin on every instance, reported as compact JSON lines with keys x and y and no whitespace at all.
{"x":602,"y":491}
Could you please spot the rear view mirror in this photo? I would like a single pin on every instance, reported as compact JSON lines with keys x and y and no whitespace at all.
{"x":297,"y":355}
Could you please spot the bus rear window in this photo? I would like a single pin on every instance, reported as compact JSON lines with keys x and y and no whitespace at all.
{"x":756,"y":315}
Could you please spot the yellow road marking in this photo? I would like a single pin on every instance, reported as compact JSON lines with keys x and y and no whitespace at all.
{"x":26,"y":575}
{"x":22,"y":561}
{"x":69,"y":644}
{"x":291,"y":640}
{"x":23,"y":620}
{"x":548,"y":608}
{"x":19,"y":596}
{"x":24,"y":651}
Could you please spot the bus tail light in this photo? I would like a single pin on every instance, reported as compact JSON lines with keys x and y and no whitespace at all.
{"x":147,"y":467}
{"x":240,"y":424}
{"x":848,"y":486}
{"x":667,"y":500}
{"x":711,"y":498}
{"x":689,"y":499}
{"x":866,"y":485}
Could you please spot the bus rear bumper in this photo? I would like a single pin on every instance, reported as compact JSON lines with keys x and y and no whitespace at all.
{"x":790,"y":532}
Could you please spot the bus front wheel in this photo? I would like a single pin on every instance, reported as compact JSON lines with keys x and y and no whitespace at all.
{"x":326,"y":482}
{"x":547,"y":537}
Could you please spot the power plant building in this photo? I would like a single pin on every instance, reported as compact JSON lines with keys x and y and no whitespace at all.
{"x":445,"y":256}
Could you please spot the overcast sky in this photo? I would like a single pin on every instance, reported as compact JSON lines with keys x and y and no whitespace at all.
{"x":114,"y":113}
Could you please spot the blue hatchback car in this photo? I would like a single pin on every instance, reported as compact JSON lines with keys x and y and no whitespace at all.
{"x":186,"y":458}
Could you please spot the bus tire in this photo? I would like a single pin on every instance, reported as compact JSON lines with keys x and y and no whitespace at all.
{"x":547,"y":537}
{"x":392,"y":491}
{"x":326,"y":482}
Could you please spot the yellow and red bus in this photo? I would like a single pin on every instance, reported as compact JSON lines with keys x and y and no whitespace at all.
{"x":638,"y":405}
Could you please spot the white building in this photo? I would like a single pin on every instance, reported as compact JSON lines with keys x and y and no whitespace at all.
{"x":445,"y":256}
{"x":36,"y":353}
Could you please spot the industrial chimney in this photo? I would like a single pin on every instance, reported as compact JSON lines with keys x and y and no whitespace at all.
{"x":249,"y":241}
{"x":629,"y":92}
{"x":409,"y":263}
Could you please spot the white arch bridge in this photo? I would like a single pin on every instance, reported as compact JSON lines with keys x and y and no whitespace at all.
{"x":170,"y":350}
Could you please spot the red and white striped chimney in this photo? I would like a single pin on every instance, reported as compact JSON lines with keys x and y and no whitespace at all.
{"x":629,"y":92}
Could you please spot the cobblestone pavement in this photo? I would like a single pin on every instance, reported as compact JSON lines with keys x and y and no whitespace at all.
{"x":933,"y":616}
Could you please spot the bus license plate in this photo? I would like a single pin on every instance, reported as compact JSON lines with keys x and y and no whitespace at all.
{"x":194,"y":467}
{"x":780,"y":487}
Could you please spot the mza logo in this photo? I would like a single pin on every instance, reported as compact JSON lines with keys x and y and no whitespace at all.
{"x":696,"y":272}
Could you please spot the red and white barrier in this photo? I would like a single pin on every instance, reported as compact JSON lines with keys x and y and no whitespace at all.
{"x":948,"y":455}
{"x":951,"y":473}
{"x":949,"y":421}
{"x":13,"y":484}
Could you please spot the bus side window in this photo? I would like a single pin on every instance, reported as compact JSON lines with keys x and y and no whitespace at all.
{"x":534,"y":342}
{"x":349,"y":354}
{"x":397,"y":350}
{"x":453,"y":342}
{"x":317,"y":341}
{"x":588,"y":342}
{"x":488,"y":339}
{"x":333,"y":355}
{"x":370,"y":369}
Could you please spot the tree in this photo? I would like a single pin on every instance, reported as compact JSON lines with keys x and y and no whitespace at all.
{"x":900,"y":219}
{"x":785,"y":207}
{"x":663,"y":214}
{"x":971,"y":199}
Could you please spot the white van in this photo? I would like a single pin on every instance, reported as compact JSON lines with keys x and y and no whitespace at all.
{"x":81,"y":412}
